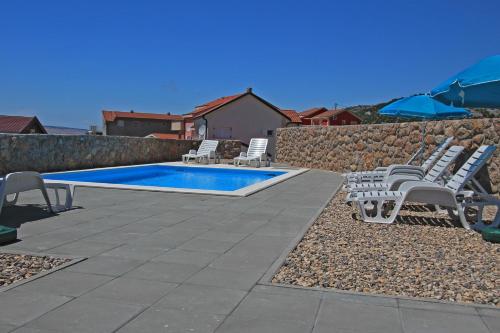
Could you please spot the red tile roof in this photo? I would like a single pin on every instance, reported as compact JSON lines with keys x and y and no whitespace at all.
{"x":312,"y":112}
{"x":207,"y":107}
{"x":17,"y":124}
{"x":170,"y":136}
{"x":292,"y":115}
{"x":112,"y":115}
{"x":331,"y":113}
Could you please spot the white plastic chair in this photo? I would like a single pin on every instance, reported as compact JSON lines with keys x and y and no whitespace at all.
{"x":256,"y":152}
{"x":374,"y":205}
{"x":17,"y":182}
{"x":206,"y":150}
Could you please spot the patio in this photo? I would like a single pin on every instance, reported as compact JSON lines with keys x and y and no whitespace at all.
{"x":172,"y":262}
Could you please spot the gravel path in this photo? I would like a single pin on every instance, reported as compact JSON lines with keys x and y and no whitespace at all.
{"x":423,"y":255}
{"x":16,"y":267}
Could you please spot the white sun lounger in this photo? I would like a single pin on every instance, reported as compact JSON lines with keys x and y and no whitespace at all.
{"x":17,"y":182}
{"x":374,"y":205}
{"x":256,"y":152}
{"x":206,"y":150}
{"x":378,"y":174}
{"x":393,"y":182}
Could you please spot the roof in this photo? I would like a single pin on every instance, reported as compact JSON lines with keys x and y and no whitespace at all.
{"x":212,"y":105}
{"x":208,"y":107}
{"x":65,"y":130}
{"x":171,"y":136}
{"x":112,"y":115}
{"x":18,"y":124}
{"x":292,"y":115}
{"x":333,"y":112}
{"x":312,"y":112}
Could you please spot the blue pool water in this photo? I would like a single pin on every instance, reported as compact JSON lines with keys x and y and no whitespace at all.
{"x":199,"y":178}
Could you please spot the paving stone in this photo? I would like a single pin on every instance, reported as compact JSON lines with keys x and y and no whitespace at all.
{"x":207,"y":245}
{"x":279,"y":307}
{"x":492,"y":312}
{"x":65,"y":283}
{"x":26,"y":329}
{"x":363,"y":299}
{"x":82,"y":248}
{"x":416,"y":321}
{"x":133,"y":291}
{"x":259,"y":325}
{"x":493,"y":323}
{"x":106,"y":265}
{"x":87,"y":315}
{"x":173,"y":321}
{"x":136,"y":252}
{"x":358,"y":317}
{"x":223,"y":236}
{"x":166,"y":272}
{"x":196,"y":298}
{"x":17,"y":307}
{"x":208,"y":276}
{"x":187,"y":257}
{"x":435,"y":306}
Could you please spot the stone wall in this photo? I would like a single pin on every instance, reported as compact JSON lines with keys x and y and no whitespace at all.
{"x":44,"y":153}
{"x":364,"y":147}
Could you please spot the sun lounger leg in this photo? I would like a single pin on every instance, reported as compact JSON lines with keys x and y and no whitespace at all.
{"x":377,"y":214}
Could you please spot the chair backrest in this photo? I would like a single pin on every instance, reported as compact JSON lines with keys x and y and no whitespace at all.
{"x":416,"y":155}
{"x":21,"y":181}
{"x":470,"y":168}
{"x":207,"y":146}
{"x":257,"y":147}
{"x":443,"y":163}
{"x":436,"y":153}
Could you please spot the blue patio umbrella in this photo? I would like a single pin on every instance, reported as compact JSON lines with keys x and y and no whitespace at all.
{"x":425,"y":108}
{"x":476,"y":86}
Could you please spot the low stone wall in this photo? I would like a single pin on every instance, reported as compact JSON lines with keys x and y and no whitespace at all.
{"x":44,"y":153}
{"x":364,"y":147}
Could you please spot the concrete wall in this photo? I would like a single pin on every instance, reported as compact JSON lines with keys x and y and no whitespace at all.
{"x":138,"y":127}
{"x":364,"y":147}
{"x":45,"y":153}
{"x":246,"y":118}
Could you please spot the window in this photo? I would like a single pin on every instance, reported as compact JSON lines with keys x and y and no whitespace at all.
{"x":175,"y":126}
{"x":120,"y":123}
{"x":270,"y":132}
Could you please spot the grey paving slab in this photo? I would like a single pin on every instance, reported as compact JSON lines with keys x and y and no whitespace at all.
{"x":187,"y":257}
{"x":259,"y":325}
{"x":197,"y":298}
{"x":493,"y":323}
{"x":492,"y":312}
{"x":166,"y":272}
{"x":18,"y":308}
{"x":435,"y":306}
{"x":83,"y":248}
{"x":135,"y":251}
{"x":173,"y":321}
{"x":106,"y":265}
{"x":208,"y":276}
{"x":223,"y":236}
{"x":207,"y":245}
{"x":65,"y":283}
{"x":6,"y":327}
{"x":87,"y":315}
{"x":278,"y":307}
{"x":360,"y":298}
{"x":417,"y":321}
{"x":133,"y":291}
{"x":26,"y":329}
{"x":358,"y":317}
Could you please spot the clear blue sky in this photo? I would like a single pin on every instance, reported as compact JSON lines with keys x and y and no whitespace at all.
{"x":65,"y":61}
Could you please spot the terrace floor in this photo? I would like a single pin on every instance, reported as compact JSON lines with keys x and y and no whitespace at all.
{"x":171,"y":262}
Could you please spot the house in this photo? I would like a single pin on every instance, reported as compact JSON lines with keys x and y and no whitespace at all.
{"x":240,"y":117}
{"x":165,"y":136}
{"x":21,"y":125}
{"x":141,"y":124}
{"x":323,"y":116}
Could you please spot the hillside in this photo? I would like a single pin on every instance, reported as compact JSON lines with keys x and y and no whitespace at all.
{"x":369,"y":113}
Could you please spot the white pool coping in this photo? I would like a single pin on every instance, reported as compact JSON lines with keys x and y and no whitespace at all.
{"x":242,"y":192}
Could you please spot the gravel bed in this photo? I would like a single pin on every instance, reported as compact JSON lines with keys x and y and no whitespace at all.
{"x":424,"y":254}
{"x":16,"y":267}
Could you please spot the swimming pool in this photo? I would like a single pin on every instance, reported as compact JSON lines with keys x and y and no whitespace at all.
{"x":177,"y":178}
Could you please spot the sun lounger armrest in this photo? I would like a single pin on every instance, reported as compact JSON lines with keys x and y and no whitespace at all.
{"x":380,"y":169}
{"x":243,"y":154}
{"x":192,"y":152}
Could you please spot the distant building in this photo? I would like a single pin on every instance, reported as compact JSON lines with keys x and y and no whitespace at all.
{"x":141,"y":124}
{"x":240,"y":117}
{"x":21,"y":125}
{"x":59,"y":130}
{"x":323,"y":116}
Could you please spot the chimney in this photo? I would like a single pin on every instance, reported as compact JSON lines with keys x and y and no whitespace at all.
{"x":249,"y":90}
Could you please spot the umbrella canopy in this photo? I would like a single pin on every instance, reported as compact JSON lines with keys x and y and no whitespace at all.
{"x":423,"y":107}
{"x":476,"y":86}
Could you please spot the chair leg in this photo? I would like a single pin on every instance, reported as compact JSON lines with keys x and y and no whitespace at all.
{"x":46,"y":197}
{"x":379,"y":207}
